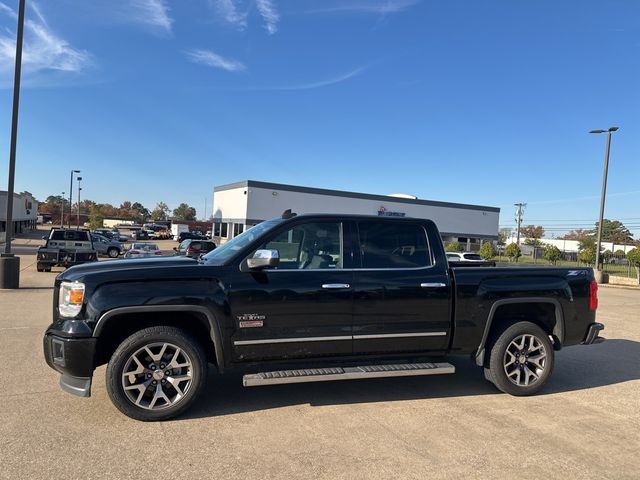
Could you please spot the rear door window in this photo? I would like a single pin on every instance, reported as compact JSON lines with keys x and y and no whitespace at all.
{"x":393,"y":245}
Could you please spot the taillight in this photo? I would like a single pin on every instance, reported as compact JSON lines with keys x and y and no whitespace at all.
{"x":190,"y":251}
{"x":134,"y":252}
{"x":158,"y":252}
{"x":593,"y":295}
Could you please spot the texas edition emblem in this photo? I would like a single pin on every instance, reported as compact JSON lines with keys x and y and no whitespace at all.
{"x":248,"y":320}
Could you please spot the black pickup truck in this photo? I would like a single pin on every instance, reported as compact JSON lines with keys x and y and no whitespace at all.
{"x":310,"y":298}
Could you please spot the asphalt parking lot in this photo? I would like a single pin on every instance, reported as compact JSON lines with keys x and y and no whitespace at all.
{"x":586,"y":424}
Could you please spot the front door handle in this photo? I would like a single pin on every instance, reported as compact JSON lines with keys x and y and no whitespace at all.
{"x":433,"y":285}
{"x":335,"y":286}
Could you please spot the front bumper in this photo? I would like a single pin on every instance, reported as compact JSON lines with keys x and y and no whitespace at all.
{"x":592,"y":334}
{"x":74,"y":359}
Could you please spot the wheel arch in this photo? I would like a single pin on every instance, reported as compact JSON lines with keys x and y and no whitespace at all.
{"x":548,"y":315}
{"x":205,"y":317}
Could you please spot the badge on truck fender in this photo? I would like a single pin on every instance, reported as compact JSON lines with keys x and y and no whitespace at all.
{"x":251,"y":320}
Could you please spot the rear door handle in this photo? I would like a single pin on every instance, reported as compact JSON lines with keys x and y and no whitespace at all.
{"x":433,"y":285}
{"x":335,"y":286}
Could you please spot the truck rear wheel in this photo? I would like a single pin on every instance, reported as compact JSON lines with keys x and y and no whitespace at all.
{"x":156,"y":373}
{"x":113,"y":252}
{"x":521,"y":360}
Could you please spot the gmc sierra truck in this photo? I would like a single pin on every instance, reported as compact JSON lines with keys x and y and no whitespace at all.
{"x":310,"y":298}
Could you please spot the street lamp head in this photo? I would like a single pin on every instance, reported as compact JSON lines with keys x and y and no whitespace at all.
{"x":598,"y":131}
{"x":613,"y":129}
{"x":79,"y":179}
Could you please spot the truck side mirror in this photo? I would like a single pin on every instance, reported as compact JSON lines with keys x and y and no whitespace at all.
{"x":263,"y":259}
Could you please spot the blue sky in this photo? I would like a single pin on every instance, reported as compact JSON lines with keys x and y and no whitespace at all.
{"x":485,"y":102}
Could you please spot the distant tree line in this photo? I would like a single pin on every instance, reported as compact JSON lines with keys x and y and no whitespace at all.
{"x":54,"y":205}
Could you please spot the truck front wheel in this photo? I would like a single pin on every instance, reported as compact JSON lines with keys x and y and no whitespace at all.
{"x":521,"y":360}
{"x":156,"y":373}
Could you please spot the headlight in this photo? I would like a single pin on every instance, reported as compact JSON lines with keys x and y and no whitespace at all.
{"x":71,"y":298}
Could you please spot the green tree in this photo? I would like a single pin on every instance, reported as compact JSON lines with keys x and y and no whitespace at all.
{"x":454,"y":247}
{"x":634,"y":259}
{"x":619,"y":253}
{"x":184,"y":212}
{"x":534,"y":242}
{"x":614,"y":231}
{"x":160,"y":212}
{"x":502,"y":238}
{"x":487,"y":252}
{"x":140,"y":211}
{"x":532,"y":231}
{"x":96,"y":217}
{"x":512,"y":252}
{"x":578,"y":234}
{"x":552,"y":254}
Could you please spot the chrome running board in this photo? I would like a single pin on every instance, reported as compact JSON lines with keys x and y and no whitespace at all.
{"x":346,"y":373}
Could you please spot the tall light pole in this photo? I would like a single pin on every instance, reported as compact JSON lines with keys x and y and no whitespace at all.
{"x":79,"y":190}
{"x":9,"y":263}
{"x":604,"y":189}
{"x":62,"y":210}
{"x":71,"y":193}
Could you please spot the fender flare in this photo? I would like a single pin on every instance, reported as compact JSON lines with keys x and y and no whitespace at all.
{"x":558,"y":329}
{"x":214,"y":327}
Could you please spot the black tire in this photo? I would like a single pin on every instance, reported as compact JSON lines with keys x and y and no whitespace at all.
{"x":40,"y":267}
{"x":113,"y":252}
{"x":141,"y":383}
{"x":521,"y":360}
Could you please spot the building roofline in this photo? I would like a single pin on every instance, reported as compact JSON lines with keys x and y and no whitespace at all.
{"x":342,"y":193}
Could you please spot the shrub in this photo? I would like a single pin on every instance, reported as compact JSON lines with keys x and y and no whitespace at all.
{"x":588,"y":255}
{"x":454,"y":247}
{"x":487,"y":252}
{"x":513,"y":252}
{"x":552,"y":254}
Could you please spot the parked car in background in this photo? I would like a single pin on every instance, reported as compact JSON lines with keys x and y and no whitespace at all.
{"x":182,"y":236}
{"x":65,"y":248}
{"x":106,"y":246}
{"x":142,"y":234}
{"x":194,"y":248}
{"x":464,"y":257}
{"x":105,"y":232}
{"x":118,"y":236}
{"x":143,"y":250}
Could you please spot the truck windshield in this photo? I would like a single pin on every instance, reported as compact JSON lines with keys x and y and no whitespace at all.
{"x":226,"y":251}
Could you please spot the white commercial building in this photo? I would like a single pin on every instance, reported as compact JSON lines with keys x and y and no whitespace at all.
{"x":241,"y":205}
{"x":25,"y":213}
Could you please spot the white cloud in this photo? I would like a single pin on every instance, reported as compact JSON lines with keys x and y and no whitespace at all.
{"x":230,"y":13}
{"x":43,"y":49}
{"x":318,"y":84}
{"x":154,"y":13}
{"x":212,"y":59}
{"x":380,"y":7}
{"x":269,"y":13}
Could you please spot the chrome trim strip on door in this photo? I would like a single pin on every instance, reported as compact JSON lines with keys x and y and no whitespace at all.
{"x":338,"y":337}
{"x":433,"y":285}
{"x":334,"y":286}
{"x":291,"y":340}
{"x":399,"y":335}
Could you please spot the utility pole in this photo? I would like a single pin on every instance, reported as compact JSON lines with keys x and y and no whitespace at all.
{"x":519,"y":210}
{"x":71,"y":194}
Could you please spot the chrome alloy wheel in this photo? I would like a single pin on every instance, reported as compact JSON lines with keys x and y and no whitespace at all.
{"x":157,"y":376}
{"x":525,"y":360}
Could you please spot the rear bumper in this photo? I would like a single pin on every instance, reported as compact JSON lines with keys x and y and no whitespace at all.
{"x":592,"y":334}
{"x":74,"y":359}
